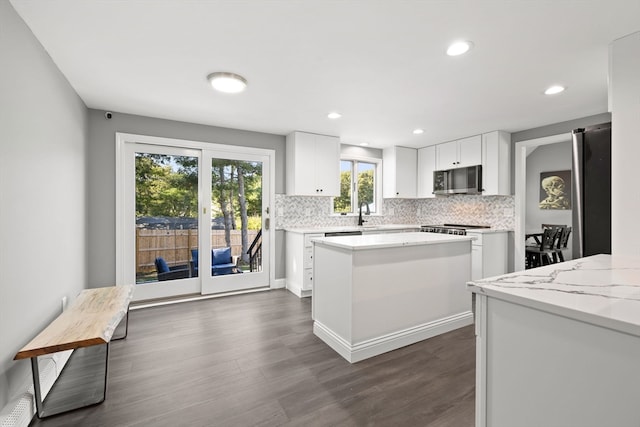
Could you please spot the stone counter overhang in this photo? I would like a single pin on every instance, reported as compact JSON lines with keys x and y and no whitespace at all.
{"x":377,"y":241}
{"x":603,"y":290}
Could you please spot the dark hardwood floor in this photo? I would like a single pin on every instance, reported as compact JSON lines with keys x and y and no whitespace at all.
{"x":252,"y":360}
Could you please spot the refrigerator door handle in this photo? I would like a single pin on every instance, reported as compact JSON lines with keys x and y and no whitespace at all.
{"x":578,"y":193}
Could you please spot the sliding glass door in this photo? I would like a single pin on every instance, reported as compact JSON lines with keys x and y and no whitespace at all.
{"x":236,"y":191}
{"x":192,"y":220}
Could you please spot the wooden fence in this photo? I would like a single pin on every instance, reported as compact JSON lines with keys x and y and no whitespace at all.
{"x":175,"y":245}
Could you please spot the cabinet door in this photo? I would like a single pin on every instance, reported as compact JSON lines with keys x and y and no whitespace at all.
{"x":305,"y":183}
{"x":447,"y":155}
{"x":313,"y":165}
{"x":476,"y":262}
{"x":327,"y":165}
{"x":470,"y":151}
{"x":406,"y":164}
{"x":426,"y":166}
{"x":496,"y":152}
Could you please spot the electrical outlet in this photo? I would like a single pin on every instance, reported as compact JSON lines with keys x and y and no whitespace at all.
{"x":308,"y":212}
{"x":391,"y":211}
{"x":507,"y":212}
{"x":280,"y":211}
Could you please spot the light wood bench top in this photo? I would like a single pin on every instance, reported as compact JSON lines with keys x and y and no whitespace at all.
{"x":90,"y":320}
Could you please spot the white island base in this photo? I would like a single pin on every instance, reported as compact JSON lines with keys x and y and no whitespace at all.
{"x":374,"y":294}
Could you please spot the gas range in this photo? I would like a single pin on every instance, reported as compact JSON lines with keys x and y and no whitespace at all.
{"x":456,"y":229}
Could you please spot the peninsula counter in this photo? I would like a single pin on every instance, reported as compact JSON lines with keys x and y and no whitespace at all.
{"x":559,"y":345}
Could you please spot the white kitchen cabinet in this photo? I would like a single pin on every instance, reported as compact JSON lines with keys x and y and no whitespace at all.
{"x":426,"y":167}
{"x":460,"y":153}
{"x":399,"y":167}
{"x":496,"y":151}
{"x":299,"y":263}
{"x":488,"y":254}
{"x":313,"y":165}
{"x":299,"y":253}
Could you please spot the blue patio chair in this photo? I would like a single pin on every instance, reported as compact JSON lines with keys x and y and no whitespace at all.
{"x":222,"y":262}
{"x":170,"y":273}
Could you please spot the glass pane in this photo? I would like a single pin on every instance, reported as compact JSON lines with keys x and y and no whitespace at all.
{"x":166,"y":216}
{"x":236,"y":217}
{"x":344,"y":203}
{"x":366,"y":184}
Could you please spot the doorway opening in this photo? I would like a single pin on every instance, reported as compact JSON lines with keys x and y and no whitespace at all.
{"x":523,"y":186}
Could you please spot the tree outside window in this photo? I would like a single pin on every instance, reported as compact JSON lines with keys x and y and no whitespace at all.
{"x":357,"y":184}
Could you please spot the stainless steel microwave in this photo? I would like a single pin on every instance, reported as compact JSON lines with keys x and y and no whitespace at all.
{"x":467,"y":180}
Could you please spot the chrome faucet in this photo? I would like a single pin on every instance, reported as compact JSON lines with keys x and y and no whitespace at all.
{"x":368,"y":212}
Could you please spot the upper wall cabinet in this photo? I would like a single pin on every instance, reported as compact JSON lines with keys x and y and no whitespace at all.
{"x":313,"y":165}
{"x":399,"y":166}
{"x":496,"y":160}
{"x":459,"y":153}
{"x":426,"y":167}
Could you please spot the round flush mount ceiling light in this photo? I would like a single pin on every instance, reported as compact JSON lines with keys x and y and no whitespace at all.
{"x":459,"y":47}
{"x":552,"y":90}
{"x":227,"y":82}
{"x":418,"y":131}
{"x":334,"y":115}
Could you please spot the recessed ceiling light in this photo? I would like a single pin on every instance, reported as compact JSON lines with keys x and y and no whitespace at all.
{"x":364,"y":144}
{"x":418,"y":131}
{"x":334,"y":115}
{"x":458,"y":48}
{"x":227,"y":82}
{"x":554,"y":89}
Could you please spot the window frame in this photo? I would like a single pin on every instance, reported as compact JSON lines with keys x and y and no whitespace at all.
{"x":377,"y":176}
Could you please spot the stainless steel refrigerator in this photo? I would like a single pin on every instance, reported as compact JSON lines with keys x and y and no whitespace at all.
{"x":591,"y":190}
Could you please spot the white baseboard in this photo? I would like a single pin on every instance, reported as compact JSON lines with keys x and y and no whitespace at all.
{"x":20,"y":411}
{"x":297,"y":290}
{"x":373,"y":347}
{"x":279,"y":283}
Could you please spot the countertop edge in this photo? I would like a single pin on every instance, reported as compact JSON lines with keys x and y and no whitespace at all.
{"x":336,"y":242}
{"x":591,"y":318}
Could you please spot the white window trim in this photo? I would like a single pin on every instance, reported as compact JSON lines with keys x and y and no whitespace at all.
{"x":378,"y":181}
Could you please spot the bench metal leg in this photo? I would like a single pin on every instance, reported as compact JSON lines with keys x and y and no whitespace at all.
{"x":126,"y":327}
{"x":80,"y":384}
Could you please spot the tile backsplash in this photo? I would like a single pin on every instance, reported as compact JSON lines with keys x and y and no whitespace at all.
{"x":496,"y":211}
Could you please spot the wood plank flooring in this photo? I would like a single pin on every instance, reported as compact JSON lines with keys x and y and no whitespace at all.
{"x":252,"y":360}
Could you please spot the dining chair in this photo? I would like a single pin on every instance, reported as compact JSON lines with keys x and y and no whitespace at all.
{"x":543,"y":253}
{"x":563,"y":241}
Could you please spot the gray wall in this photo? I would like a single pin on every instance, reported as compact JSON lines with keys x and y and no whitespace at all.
{"x":43,"y":215}
{"x":102,"y":169}
{"x":553,"y":129}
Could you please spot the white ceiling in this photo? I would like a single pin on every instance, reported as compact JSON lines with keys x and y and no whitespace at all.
{"x":381,"y":63}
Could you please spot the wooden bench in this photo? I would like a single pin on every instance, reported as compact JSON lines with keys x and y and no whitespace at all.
{"x":86,"y":327}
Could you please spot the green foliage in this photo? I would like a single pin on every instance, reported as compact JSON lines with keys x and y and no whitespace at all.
{"x":365,"y":187}
{"x":168,"y":186}
{"x":343,"y":203}
{"x":254,"y":223}
{"x":365,"y":190}
{"x":164,"y":187}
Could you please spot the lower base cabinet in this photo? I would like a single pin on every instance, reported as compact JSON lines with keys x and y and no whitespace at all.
{"x":299,"y":262}
{"x":489,"y":254}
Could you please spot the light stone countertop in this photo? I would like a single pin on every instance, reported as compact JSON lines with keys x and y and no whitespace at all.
{"x":388,"y":240}
{"x":603,"y":290}
{"x":364,"y":228}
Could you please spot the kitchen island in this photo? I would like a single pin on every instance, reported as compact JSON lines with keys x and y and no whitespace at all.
{"x":559,"y":345}
{"x":377,"y":293}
